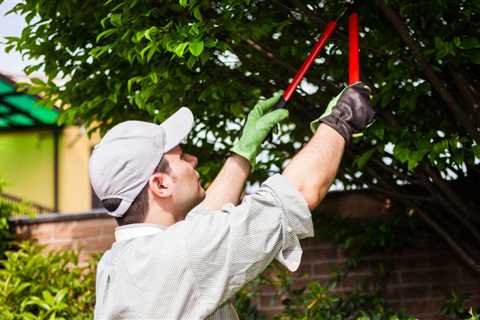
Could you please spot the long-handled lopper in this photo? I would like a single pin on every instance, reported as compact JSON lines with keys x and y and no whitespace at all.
{"x":353,"y":56}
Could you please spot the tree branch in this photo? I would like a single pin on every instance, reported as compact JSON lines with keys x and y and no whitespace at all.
{"x":427,"y":69}
{"x":332,"y":89}
{"x":464,"y":89}
{"x":398,"y":195}
{"x":464,"y":256}
{"x":450,"y":194}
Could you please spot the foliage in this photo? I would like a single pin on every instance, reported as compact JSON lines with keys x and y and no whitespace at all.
{"x":244,"y":302}
{"x":369,"y":235}
{"x":473,"y":315}
{"x":455,"y":307}
{"x":318,"y":302}
{"x":7,"y":209}
{"x":6,"y":233}
{"x":50,"y":286}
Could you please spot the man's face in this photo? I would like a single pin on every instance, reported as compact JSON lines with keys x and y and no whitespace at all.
{"x":187,"y":190}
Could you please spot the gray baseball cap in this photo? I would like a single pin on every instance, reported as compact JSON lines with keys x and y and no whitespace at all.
{"x":125,"y":158}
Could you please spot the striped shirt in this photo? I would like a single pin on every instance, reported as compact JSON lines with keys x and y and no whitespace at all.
{"x":190,"y":269}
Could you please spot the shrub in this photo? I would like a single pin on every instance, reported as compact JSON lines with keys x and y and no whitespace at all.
{"x":314,"y":301}
{"x":39,"y":285}
{"x":7,"y":209}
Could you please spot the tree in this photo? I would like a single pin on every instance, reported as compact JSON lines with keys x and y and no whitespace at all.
{"x":144,"y":59}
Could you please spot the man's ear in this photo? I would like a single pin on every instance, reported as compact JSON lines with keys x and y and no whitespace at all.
{"x":161,"y":185}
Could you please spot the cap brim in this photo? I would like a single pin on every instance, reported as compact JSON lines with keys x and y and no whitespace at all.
{"x":177,"y":127}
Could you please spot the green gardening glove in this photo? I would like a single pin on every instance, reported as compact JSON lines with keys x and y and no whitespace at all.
{"x":258,"y":124}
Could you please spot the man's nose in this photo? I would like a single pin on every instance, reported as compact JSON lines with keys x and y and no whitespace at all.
{"x":192,"y":159}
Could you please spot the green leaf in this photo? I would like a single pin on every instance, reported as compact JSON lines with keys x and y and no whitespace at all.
{"x":180,"y":49}
{"x":48,"y":297}
{"x":116,"y":19}
{"x":197,"y":14}
{"x":105,"y":34}
{"x":474,"y":55}
{"x":151,"y":31}
{"x":364,"y":158}
{"x":470,"y":43}
{"x":38,"y":81}
{"x":476,"y":151}
{"x":378,"y":129}
{"x":401,"y":153}
{"x":196,"y":47}
{"x":183,"y":3}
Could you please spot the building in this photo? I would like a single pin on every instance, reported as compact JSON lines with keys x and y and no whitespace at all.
{"x":41,"y":162}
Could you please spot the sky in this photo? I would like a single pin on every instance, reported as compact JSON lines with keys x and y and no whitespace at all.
{"x":12,"y":64}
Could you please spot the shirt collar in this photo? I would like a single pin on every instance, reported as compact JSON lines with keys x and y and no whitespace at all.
{"x":135,"y":230}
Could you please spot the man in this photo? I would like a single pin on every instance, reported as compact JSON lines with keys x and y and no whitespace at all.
{"x":181,"y":252}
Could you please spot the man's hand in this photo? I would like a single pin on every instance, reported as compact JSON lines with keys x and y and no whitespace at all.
{"x":349,"y":113}
{"x":230,"y":181}
{"x":256,"y":129}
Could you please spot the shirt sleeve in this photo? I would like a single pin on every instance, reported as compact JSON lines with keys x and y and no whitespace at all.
{"x":228,"y":248}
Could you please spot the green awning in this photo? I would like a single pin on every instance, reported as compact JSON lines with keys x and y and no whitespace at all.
{"x":19,"y":110}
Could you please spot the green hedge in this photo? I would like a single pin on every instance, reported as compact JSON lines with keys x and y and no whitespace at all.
{"x":39,"y":285}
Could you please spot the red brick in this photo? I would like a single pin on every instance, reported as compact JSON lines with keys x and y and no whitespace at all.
{"x":108,"y":228}
{"x":271,"y":301}
{"x":407,"y":292}
{"x":467,"y":276}
{"x":301,"y":283}
{"x":443,"y":261}
{"x":415,"y":277}
{"x":86,"y":232}
{"x":64,"y":230}
{"x":270,"y":313}
{"x":94,"y":245}
{"x":356,"y":280}
{"x":445,"y":276}
{"x":325,"y":268}
{"x":320,"y":254}
{"x":42,"y":232}
{"x":443,"y":291}
{"x":59,"y":246}
{"x":417,"y":306}
{"x":410,"y":263}
{"x":305,"y":269}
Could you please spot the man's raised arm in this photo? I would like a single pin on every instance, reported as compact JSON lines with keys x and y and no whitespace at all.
{"x":228,"y":185}
{"x":313,"y":169}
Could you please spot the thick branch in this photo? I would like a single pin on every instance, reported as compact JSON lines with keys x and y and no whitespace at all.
{"x":400,"y":174}
{"x":427,"y":69}
{"x":450,"y":194}
{"x":464,"y":89}
{"x":464,"y":256}
{"x":455,"y":246}
{"x":332,"y":90}
{"x":398,"y":195}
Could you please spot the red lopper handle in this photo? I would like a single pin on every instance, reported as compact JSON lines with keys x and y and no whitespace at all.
{"x":307,"y":63}
{"x":353,"y":54}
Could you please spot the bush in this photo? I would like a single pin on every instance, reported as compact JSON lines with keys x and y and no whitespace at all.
{"x":39,"y":285}
{"x":7,"y":209}
{"x":315,"y":301}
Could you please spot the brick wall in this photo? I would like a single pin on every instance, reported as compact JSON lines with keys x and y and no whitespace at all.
{"x":89,"y":232}
{"x":421,"y":279}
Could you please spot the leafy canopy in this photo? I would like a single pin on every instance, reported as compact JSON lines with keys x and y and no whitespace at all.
{"x":145,"y":59}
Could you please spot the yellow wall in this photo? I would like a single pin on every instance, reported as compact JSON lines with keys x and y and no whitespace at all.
{"x":75,"y":191}
{"x":26,"y":163}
